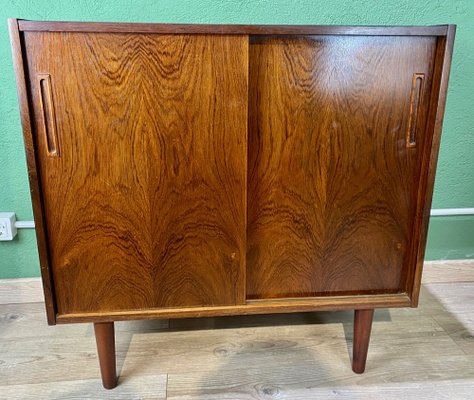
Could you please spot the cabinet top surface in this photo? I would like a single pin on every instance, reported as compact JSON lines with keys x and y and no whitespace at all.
{"x":119,"y":27}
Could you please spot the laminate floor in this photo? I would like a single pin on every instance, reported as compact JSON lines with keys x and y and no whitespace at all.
{"x":423,"y":353}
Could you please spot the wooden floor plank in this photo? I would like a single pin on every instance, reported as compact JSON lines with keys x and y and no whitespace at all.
{"x":460,"y":329}
{"x":455,"y":298}
{"x":21,"y":290}
{"x":281,"y":381}
{"x":29,"y":320}
{"x":448,"y":271}
{"x":130,"y":388}
{"x":448,"y":390}
{"x":458,"y":320}
{"x":423,"y":353}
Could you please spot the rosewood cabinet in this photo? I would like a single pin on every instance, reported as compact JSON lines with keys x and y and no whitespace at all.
{"x":198,"y":170}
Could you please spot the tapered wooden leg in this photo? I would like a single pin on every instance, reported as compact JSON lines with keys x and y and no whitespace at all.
{"x":360,"y":342}
{"x":105,"y":338}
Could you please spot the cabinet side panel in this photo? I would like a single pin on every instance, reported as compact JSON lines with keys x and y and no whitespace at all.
{"x":336,"y":132}
{"x":145,"y":196}
{"x":22,"y":90}
{"x":434,"y":126}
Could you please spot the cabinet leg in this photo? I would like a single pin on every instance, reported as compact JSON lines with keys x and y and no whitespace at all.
{"x":105,"y":339}
{"x":360,"y":342}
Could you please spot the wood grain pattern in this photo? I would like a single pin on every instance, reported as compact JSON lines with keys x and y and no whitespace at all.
{"x":448,"y":271}
{"x":293,"y":356}
{"x":417,"y":88}
{"x":33,"y":171}
{"x":150,"y":387}
{"x":21,"y":290}
{"x":444,"y":52}
{"x":105,"y":340}
{"x":332,"y":187}
{"x":222,"y":29}
{"x":251,"y":307}
{"x":29,"y":319}
{"x":146,"y":209}
{"x":361,"y":339}
{"x":30,"y":290}
{"x":146,"y":204}
{"x":46,"y":105}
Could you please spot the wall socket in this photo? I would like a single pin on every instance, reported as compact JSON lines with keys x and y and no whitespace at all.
{"x":7,"y":226}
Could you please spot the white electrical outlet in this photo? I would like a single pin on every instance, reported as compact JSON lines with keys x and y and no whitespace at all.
{"x":7,"y":225}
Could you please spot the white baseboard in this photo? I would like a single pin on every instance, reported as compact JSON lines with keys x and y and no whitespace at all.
{"x":30,"y":290}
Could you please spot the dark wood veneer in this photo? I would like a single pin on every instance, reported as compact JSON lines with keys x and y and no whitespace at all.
{"x":439,"y":92}
{"x":32,"y":164}
{"x":361,"y":338}
{"x":105,"y":339}
{"x":65,"y":26}
{"x":332,"y":186}
{"x":204,"y":170}
{"x":142,"y":220}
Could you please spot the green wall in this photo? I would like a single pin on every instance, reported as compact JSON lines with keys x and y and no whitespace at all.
{"x":449,"y":238}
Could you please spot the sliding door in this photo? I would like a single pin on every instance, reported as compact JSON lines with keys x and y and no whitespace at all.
{"x":336,"y":132}
{"x":142,"y":144}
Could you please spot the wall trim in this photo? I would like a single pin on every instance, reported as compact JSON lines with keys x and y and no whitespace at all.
{"x":30,"y":290}
{"x":449,"y":212}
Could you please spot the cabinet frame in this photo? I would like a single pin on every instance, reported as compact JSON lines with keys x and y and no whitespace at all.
{"x":409,"y":298}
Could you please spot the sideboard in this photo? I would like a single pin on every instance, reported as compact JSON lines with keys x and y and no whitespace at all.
{"x":207,"y":170}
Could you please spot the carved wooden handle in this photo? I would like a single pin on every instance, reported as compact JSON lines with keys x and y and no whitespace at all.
{"x":415,"y":101}
{"x":47,"y":110}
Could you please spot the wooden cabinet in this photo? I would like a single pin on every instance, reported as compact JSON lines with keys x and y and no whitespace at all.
{"x":198,"y":170}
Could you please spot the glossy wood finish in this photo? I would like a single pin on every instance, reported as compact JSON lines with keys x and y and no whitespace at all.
{"x":417,"y":91}
{"x":332,"y":185}
{"x":33,"y":172}
{"x":277,"y":306}
{"x":145,"y":223}
{"x":105,"y":339}
{"x":443,"y":58}
{"x":360,"y":342}
{"x":48,"y":116}
{"x":221,"y":29}
{"x":145,"y":206}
